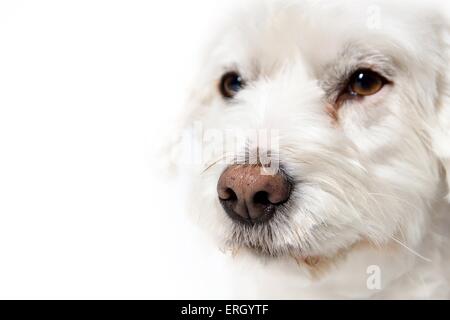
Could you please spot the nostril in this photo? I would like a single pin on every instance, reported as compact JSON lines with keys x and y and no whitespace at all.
{"x":261,"y":197}
{"x":229,"y":195}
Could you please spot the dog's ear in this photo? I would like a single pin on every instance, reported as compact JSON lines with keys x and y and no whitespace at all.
{"x":440,"y":131}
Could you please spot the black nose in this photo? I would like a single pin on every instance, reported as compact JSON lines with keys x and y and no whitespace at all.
{"x":249,"y":196}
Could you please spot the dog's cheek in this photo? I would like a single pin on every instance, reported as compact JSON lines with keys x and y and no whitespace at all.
{"x":367,"y":126}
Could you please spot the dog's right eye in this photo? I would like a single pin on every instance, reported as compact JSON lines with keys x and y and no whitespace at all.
{"x":230,"y":84}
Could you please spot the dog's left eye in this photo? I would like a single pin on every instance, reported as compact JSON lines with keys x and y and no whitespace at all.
{"x":365,"y":83}
{"x":230,"y":84}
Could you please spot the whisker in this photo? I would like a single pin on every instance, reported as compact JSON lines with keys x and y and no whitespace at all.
{"x":213,"y":164}
{"x":410,"y":250}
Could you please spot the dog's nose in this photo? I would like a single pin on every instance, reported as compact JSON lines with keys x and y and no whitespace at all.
{"x":249,"y":196}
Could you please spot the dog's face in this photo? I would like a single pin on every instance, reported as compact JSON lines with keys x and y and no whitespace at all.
{"x":349,"y":92}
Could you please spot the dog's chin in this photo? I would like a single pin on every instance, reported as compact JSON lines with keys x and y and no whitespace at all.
{"x":314,"y":266}
{"x":315,"y":261}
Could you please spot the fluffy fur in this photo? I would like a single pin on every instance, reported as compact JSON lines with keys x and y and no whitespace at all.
{"x":370,"y":176}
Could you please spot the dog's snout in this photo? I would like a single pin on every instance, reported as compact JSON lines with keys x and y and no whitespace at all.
{"x":249,"y":196}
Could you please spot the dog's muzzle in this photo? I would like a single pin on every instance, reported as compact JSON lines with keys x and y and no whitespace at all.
{"x":248,"y":196}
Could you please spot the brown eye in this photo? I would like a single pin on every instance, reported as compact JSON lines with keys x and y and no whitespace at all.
{"x":365,"y":83}
{"x":230,"y":84}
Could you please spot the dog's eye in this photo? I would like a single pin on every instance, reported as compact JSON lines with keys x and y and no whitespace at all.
{"x":230,"y":84}
{"x":365,"y":83}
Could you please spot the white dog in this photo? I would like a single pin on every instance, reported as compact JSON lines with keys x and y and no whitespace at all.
{"x":355,"y":97}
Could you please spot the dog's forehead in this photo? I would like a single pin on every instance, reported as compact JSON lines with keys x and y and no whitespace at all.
{"x":276,"y":33}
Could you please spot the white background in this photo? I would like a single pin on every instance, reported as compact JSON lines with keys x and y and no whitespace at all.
{"x":87,"y":92}
{"x":88,"y":89}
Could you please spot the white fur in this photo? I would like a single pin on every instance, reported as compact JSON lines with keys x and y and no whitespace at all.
{"x":370,"y":188}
